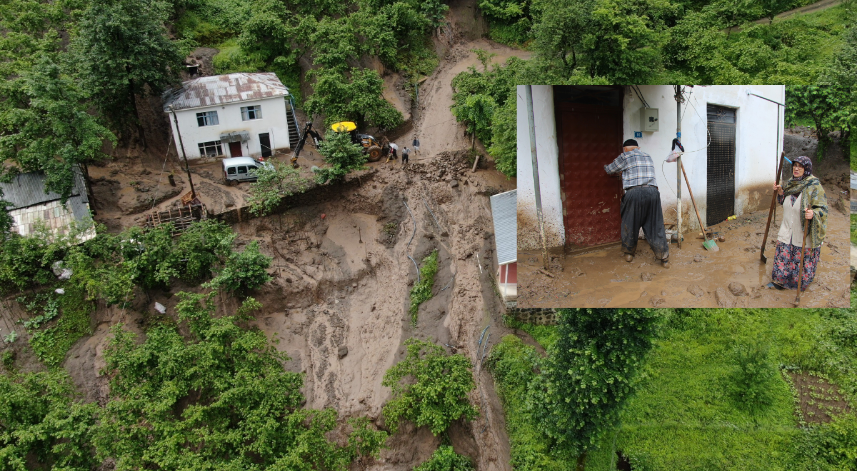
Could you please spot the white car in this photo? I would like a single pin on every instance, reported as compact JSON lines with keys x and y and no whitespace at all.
{"x":242,"y":169}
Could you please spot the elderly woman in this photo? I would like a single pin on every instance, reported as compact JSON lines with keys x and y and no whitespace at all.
{"x":802,"y":198}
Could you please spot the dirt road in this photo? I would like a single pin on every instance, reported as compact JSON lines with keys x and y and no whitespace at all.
{"x":732,"y":277}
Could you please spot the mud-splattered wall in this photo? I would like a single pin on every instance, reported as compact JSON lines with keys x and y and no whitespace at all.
{"x":548,"y":162}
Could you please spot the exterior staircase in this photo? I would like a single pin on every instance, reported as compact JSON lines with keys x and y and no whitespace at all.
{"x":294,"y":131}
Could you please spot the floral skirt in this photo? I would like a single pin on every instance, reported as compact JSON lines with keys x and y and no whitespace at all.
{"x":787,"y":264}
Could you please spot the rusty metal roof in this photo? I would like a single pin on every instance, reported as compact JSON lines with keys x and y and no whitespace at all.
{"x":504,"y":209}
{"x":222,"y":89}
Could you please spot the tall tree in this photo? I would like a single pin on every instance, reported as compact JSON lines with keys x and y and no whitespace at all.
{"x":122,"y":51}
{"x":560,"y":30}
{"x":830,"y":108}
{"x":51,"y":131}
{"x":590,"y":372}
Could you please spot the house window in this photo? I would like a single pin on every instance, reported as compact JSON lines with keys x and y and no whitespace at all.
{"x":210,"y":148}
{"x":251,"y":112}
{"x":207,"y":118}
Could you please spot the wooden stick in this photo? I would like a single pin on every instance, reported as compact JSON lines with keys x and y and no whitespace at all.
{"x":693,"y":201}
{"x":802,"y":250}
{"x":544,"y":272}
{"x":771,"y":211}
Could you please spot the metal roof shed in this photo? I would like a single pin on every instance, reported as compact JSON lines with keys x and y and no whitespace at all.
{"x":504,"y":212}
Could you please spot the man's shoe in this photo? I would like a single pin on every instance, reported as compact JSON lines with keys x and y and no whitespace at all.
{"x":666,"y":263}
{"x":629,"y":257}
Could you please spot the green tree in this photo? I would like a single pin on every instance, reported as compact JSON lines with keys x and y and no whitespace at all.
{"x":122,"y":51}
{"x":51,"y":132}
{"x":341,"y":154}
{"x":435,"y":393}
{"x":42,"y":423}
{"x":351,"y":96}
{"x":200,"y":247}
{"x":219,"y":399}
{"x":590,"y":373}
{"x":559,"y":33}
{"x":828,"y":106}
{"x":446,"y":459}
{"x":272,"y":185}
{"x":243,"y":271}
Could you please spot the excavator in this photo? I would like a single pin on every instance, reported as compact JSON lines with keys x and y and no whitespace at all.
{"x":373,"y":148}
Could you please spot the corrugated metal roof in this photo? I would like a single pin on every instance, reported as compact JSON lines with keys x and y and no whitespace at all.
{"x":222,"y":89}
{"x":504,"y":209}
{"x":853,"y":181}
{"x":28,"y":189}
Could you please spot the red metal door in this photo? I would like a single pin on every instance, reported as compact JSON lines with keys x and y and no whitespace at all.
{"x":590,"y":138}
{"x":235,"y":149}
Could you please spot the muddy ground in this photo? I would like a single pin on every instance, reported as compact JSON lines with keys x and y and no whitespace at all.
{"x":734,"y":276}
{"x":339,"y":299}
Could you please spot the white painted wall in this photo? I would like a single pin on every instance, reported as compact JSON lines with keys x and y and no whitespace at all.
{"x":273,"y":122}
{"x":757,"y":151}
{"x":756,"y":147}
{"x":548,"y":163}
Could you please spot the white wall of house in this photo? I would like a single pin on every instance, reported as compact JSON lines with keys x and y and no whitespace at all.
{"x":273,"y":122}
{"x":757,"y":149}
{"x":548,"y":163}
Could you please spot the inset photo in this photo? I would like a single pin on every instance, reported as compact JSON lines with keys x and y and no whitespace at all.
{"x":680,"y":196}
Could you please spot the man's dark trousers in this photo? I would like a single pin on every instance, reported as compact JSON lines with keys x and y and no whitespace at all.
{"x":641,"y":207}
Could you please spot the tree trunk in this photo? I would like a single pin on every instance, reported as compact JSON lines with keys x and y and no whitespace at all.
{"x":581,"y":462}
{"x":138,"y":127}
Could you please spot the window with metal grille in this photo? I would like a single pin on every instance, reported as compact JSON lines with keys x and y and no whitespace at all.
{"x":211,"y":148}
{"x":251,"y":112}
{"x":207,"y":118}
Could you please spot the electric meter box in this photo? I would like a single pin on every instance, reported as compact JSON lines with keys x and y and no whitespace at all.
{"x":649,"y":119}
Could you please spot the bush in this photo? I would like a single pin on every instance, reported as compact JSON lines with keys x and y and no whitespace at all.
{"x":446,"y":459}
{"x":341,"y":154}
{"x":436,"y":393}
{"x":243,"y":271}
{"x":751,"y":379}
{"x":421,"y":291}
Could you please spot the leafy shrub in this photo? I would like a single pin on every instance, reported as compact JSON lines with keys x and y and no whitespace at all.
{"x":23,"y":263}
{"x":436,"y":391}
{"x":590,"y":373}
{"x":832,"y":445}
{"x":200,"y":247}
{"x":272,"y":185}
{"x":219,"y":399}
{"x":343,"y":156}
{"x":243,"y":271}
{"x":446,"y":459}
{"x":752,"y":376}
{"x":421,"y":291}
{"x":43,"y":424}
{"x":52,"y":343}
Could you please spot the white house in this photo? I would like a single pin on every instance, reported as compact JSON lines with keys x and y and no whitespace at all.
{"x":234,"y":115}
{"x":731,"y":135}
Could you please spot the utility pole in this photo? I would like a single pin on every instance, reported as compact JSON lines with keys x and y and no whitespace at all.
{"x":678,"y":100}
{"x":181,"y":145}
{"x":532,"y":125}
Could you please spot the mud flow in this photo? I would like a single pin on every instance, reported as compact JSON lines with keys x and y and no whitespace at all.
{"x":734,"y":276}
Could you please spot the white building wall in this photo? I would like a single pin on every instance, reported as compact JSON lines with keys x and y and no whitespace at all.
{"x":54,"y":216}
{"x":273,"y":122}
{"x":756,"y":146}
{"x":548,"y":162}
{"x":757,"y":150}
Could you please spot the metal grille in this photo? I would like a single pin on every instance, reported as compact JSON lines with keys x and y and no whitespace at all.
{"x":720,"y":201}
{"x":590,"y":138}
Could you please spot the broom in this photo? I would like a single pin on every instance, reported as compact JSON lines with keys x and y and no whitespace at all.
{"x":708,"y":244}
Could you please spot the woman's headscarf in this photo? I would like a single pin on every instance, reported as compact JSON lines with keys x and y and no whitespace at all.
{"x":807,"y":166}
{"x":811,"y":196}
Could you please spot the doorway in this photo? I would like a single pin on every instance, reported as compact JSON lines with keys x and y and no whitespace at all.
{"x":265,"y":142}
{"x":589,"y":132}
{"x":235,"y":149}
{"x":720,"y":200}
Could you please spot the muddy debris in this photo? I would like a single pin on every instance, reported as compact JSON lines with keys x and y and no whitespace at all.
{"x":737,"y":289}
{"x":723,"y":299}
{"x":696,"y":290}
{"x":657,"y":301}
{"x":342,"y":352}
{"x":646,"y":276}
{"x":697,"y":258}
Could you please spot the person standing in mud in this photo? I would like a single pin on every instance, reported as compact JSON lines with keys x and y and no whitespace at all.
{"x":405,"y":153}
{"x":802,"y":198}
{"x":641,"y":204}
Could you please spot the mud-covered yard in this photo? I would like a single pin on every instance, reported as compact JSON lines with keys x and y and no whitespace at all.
{"x":734,"y":276}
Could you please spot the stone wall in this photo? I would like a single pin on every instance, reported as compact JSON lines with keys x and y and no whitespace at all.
{"x":535,"y":316}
